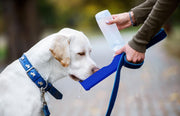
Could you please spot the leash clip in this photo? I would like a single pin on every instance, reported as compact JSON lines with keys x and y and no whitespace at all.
{"x":44,"y":103}
{"x":45,"y":86}
{"x":42,"y":95}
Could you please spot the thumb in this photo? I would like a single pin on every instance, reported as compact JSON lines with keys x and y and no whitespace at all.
{"x":112,"y":21}
{"x":120,"y":51}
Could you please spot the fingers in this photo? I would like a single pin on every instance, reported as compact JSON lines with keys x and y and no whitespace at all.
{"x":121,"y":20}
{"x":120,"y":51}
{"x":140,"y":59}
{"x":114,"y":20}
{"x":133,"y":55}
{"x":135,"y":60}
{"x":129,"y":58}
{"x":109,"y":22}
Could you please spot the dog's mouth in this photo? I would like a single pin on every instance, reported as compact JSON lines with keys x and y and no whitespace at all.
{"x":74,"y":77}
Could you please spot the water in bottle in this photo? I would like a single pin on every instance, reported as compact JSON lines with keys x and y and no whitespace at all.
{"x":110,"y":32}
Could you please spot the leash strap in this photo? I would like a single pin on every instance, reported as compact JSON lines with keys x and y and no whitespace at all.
{"x":45,"y":107}
{"x":123,"y":62}
{"x":105,"y":71}
{"x":115,"y":87}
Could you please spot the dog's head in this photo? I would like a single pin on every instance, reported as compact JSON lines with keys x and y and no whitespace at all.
{"x":72,"y":49}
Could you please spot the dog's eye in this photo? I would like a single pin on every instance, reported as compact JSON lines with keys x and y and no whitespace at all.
{"x":81,"y":53}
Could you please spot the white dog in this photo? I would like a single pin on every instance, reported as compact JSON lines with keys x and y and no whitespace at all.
{"x":66,"y":53}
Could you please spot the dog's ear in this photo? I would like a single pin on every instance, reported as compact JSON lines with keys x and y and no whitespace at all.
{"x":60,"y":50}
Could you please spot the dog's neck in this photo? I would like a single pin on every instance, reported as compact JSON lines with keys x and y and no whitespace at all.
{"x":42,"y":59}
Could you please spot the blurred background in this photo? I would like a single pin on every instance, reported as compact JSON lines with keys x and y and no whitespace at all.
{"x":24,"y":22}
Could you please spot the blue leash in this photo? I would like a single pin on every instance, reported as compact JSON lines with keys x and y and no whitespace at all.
{"x":116,"y":65}
{"x":115,"y":87}
{"x":123,"y":62}
{"x":104,"y":72}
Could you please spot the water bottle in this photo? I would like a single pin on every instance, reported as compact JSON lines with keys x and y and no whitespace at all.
{"x":110,"y":32}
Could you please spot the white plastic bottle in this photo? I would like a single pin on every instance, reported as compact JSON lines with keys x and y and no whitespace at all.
{"x":110,"y":32}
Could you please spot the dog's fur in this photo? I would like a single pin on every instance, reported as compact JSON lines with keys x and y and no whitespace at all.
{"x":66,"y":53}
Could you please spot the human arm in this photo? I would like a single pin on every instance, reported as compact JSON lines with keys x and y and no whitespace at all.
{"x":142,"y":11}
{"x":158,"y":15}
{"x":138,"y":15}
{"x":161,"y":11}
{"x":122,"y":20}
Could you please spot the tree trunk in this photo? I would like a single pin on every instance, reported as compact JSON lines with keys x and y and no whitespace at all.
{"x":21,"y":24}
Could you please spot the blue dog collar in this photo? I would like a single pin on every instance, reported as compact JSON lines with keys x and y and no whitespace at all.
{"x":37,"y":78}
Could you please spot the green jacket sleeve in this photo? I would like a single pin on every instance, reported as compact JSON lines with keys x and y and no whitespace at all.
{"x":142,"y":11}
{"x":161,"y":11}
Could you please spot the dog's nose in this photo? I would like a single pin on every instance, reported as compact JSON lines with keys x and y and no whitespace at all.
{"x":95,"y":69}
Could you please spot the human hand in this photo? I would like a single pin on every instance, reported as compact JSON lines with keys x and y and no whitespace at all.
{"x":122,"y":20}
{"x":131,"y":54}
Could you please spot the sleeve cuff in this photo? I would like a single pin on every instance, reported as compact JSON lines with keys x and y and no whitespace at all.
{"x":137,"y":16}
{"x":137,"y":46}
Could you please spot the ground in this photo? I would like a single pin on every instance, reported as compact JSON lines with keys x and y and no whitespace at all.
{"x":152,"y":90}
